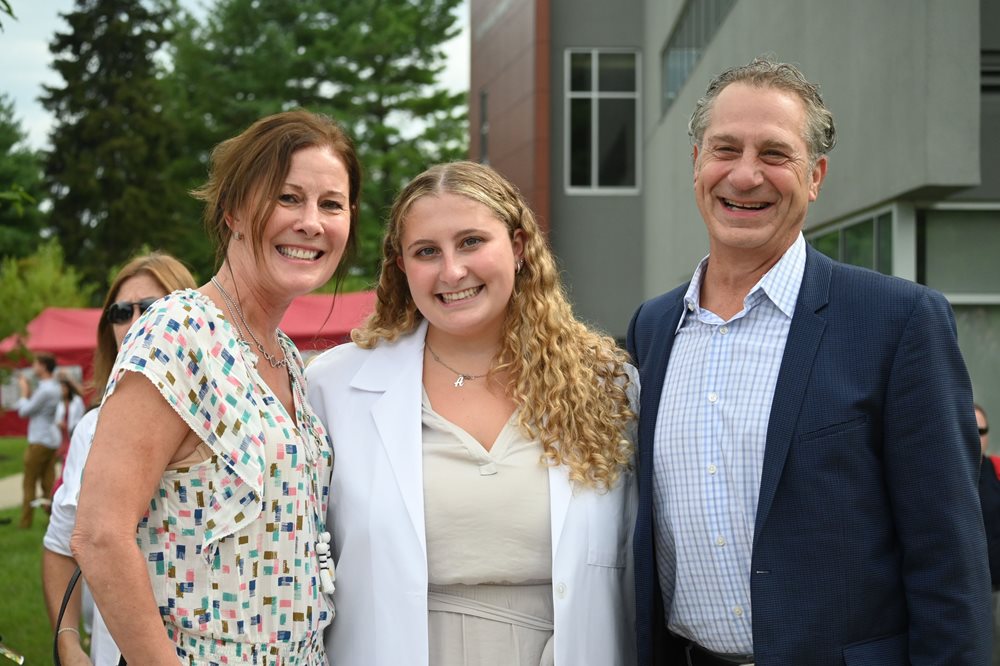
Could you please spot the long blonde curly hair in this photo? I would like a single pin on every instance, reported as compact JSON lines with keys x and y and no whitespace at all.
{"x":569,"y":381}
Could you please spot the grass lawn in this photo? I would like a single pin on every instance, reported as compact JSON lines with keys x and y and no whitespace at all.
{"x":12,"y":456}
{"x":24,"y":624}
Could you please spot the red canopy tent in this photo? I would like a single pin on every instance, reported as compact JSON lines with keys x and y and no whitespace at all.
{"x":68,"y":333}
{"x":314,"y":322}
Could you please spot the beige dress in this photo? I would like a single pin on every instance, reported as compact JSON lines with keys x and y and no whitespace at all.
{"x":489,"y":547}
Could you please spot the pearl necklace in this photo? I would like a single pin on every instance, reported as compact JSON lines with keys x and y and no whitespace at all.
{"x":234,"y":308}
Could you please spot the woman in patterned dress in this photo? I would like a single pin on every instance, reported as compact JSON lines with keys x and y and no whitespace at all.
{"x":205,"y":439}
{"x":140,"y":283}
{"x":483,"y":500}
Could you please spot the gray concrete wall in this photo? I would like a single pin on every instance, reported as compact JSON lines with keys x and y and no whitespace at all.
{"x":597,"y":239}
{"x":989,"y":124}
{"x":902,"y":80}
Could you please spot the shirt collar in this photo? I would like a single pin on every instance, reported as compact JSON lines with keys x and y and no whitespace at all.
{"x":780,"y":284}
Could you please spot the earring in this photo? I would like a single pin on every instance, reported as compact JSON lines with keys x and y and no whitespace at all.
{"x":238,"y":235}
{"x":517,"y":266}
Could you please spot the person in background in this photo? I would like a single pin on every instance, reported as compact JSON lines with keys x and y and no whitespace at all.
{"x":206,"y":440}
{"x":68,"y":414}
{"x":807,"y":448}
{"x":483,"y":499}
{"x":989,"y":499}
{"x":140,"y":283}
{"x":39,"y":407}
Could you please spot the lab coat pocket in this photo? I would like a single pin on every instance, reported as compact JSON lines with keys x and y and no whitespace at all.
{"x":608,"y":524}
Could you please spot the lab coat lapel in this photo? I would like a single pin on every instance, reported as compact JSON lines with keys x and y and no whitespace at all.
{"x":560,"y":494}
{"x":396,"y":370}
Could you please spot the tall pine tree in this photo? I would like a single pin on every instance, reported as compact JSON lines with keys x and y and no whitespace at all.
{"x":373,"y":65}
{"x":111,"y":142}
{"x":21,"y":219}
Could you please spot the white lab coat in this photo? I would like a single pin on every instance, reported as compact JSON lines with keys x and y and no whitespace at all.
{"x":370,"y":401}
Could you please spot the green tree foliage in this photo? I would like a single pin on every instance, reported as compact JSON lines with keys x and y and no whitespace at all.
{"x":373,"y":65}
{"x":33,"y":283}
{"x":106,"y":171}
{"x":20,"y":186}
{"x":5,"y":8}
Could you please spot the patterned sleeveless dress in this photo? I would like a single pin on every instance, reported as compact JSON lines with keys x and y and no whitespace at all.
{"x":230,"y":541}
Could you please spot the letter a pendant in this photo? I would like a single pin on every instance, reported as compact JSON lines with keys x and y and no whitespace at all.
{"x":460,"y":382}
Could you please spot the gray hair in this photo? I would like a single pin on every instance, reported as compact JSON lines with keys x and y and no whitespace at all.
{"x":762,"y":72}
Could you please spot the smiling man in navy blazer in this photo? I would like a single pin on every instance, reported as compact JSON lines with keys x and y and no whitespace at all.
{"x":808,"y":457}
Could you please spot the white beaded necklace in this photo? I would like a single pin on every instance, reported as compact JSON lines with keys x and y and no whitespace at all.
{"x":327,"y":572}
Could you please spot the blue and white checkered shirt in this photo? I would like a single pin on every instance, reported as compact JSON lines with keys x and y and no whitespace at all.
{"x":709,"y":452}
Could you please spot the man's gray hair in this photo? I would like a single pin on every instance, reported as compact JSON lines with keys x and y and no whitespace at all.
{"x":762,"y":72}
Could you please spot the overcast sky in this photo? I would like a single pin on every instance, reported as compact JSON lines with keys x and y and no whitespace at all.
{"x":25,"y":59}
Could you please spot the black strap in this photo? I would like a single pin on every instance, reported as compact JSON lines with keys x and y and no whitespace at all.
{"x":62,"y":611}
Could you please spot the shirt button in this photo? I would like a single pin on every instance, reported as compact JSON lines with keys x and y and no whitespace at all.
{"x":738,"y":611}
{"x":712,"y":469}
{"x":713,"y":397}
{"x":720,"y":541}
{"x":561,"y":590}
{"x":690,"y":307}
{"x":723,"y":330}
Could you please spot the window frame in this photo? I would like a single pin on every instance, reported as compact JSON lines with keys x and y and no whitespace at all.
{"x":963,"y":298}
{"x":873,"y":215}
{"x":595,"y":96}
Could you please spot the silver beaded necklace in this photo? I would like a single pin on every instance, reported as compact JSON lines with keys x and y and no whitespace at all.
{"x":234,"y":309}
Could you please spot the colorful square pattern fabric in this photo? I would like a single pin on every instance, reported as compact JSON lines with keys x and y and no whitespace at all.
{"x":230,"y":541}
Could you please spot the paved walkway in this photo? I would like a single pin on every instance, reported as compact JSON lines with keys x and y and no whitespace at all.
{"x":10,"y":491}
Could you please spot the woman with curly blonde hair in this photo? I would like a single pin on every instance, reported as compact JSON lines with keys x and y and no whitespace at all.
{"x":483,"y":498}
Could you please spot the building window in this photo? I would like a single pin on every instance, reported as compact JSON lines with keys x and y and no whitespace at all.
{"x":484,"y":128}
{"x":957,"y":252}
{"x":602,"y":121}
{"x":695,"y":27}
{"x":865,"y":242}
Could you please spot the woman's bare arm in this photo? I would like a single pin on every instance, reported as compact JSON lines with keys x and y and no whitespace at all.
{"x":137,"y":436}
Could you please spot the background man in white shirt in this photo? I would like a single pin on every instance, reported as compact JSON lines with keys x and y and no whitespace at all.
{"x":39,"y":407}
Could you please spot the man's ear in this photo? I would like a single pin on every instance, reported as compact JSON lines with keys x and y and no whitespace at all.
{"x":816,"y":177}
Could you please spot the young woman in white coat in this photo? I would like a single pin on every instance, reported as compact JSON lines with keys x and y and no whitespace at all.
{"x":482,"y":499}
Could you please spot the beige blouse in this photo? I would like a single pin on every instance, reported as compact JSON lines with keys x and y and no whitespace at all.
{"x":486,"y":513}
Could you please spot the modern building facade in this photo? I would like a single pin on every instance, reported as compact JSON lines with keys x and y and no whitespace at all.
{"x":584,"y":104}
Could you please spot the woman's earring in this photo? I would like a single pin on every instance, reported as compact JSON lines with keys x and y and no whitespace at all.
{"x":238,"y":235}
{"x":517,"y":266}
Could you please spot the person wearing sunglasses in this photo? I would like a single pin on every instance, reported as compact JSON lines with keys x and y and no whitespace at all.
{"x":206,"y":441}
{"x":125,"y":312}
{"x":143,"y":280}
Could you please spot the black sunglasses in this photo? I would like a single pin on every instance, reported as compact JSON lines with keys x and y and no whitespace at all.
{"x":121,"y":312}
{"x":985,"y":430}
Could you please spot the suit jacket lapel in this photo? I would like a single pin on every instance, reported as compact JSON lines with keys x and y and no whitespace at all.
{"x":796,"y":367}
{"x":651,"y":376}
{"x":396,"y":370}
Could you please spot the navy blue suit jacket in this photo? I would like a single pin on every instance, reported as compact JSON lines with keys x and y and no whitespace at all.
{"x":868,"y":545}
